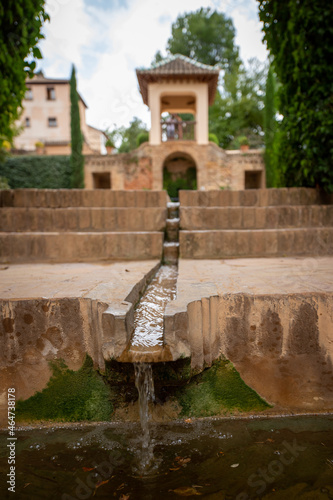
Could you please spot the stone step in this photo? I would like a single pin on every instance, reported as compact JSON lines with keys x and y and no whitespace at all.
{"x":63,"y":198}
{"x":254,"y":197}
{"x":279,"y":217}
{"x":215,"y":244}
{"x":82,"y":219}
{"x":79,"y":246}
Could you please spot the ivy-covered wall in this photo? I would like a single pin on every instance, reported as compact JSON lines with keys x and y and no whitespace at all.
{"x":43,"y":172}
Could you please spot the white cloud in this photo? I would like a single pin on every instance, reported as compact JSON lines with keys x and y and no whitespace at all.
{"x":107,"y":45}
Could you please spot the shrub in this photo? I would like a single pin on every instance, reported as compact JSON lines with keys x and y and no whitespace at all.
{"x":43,"y":172}
{"x":141,"y":138}
{"x":213,"y":138}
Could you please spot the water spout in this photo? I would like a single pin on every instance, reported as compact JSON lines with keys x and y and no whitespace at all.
{"x":145,"y":385}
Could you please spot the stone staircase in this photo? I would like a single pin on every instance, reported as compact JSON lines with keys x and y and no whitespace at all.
{"x":255,"y":223}
{"x":81,"y":225}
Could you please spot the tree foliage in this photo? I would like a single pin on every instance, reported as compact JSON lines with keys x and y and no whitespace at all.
{"x":206,"y":36}
{"x":299,"y":35}
{"x":129,"y":135}
{"x":270,"y":129}
{"x":20,"y":31}
{"x":238,"y":106}
{"x":77,"y":159}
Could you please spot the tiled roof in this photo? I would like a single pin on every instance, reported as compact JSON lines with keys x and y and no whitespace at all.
{"x":178,"y":66}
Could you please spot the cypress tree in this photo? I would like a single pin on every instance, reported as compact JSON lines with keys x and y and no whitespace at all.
{"x":270,"y":128}
{"x":77,"y":159}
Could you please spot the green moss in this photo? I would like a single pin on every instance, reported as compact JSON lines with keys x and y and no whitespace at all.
{"x":218,"y":390}
{"x":69,"y":396}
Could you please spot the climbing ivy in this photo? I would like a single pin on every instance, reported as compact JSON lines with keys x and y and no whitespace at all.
{"x":299,"y":36}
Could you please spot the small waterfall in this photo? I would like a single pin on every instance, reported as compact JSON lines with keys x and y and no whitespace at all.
{"x":144,"y":383}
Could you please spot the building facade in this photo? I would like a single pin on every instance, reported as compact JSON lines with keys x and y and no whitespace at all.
{"x":46,"y":121}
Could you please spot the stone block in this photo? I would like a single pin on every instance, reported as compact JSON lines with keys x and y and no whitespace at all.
{"x":84,"y":219}
{"x":110,"y":219}
{"x":6,"y":247}
{"x":304,"y":216}
{"x":108,"y":196}
{"x":249,"y":217}
{"x":52,"y":198}
{"x":272,"y":217}
{"x":32,"y":220}
{"x":6,"y":219}
{"x":315,"y":213}
{"x":224,"y":198}
{"x":71,"y":219}
{"x":299,"y":247}
{"x":263,"y":197}
{"x":97,"y":218}
{"x":235,"y":218}
{"x":140,"y":199}
{"x":8,"y":198}
{"x":234,"y":200}
{"x":285,"y":245}
{"x":228,"y":244}
{"x":243,"y":244}
{"x":260,"y":217}
{"x":221,"y":220}
{"x":248,"y":198}
{"x":45,"y":219}
{"x":257,"y":243}
{"x":59,"y":219}
{"x":271,"y":242}
{"x":327,"y":215}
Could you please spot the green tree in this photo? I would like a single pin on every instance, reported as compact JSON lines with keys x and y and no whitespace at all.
{"x":206,"y":36}
{"x":20,"y":31}
{"x":130,"y":134}
{"x":77,"y":159}
{"x":299,"y":36}
{"x":238,"y":106}
{"x":270,"y":129}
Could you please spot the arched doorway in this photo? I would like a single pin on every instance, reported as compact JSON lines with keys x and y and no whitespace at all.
{"x":179,"y":172}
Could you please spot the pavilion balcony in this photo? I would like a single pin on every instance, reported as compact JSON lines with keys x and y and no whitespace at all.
{"x":177,"y":130}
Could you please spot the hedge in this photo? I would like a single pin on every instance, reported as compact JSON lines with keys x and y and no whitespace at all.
{"x":43,"y":172}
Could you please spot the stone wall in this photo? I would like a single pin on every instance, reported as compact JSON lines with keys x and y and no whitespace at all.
{"x":143,"y":168}
{"x":81,"y":225}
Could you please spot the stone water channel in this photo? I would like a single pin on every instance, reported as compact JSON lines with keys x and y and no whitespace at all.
{"x":149,"y":326}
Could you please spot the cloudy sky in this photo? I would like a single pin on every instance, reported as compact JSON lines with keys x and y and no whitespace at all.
{"x":108,"y":39}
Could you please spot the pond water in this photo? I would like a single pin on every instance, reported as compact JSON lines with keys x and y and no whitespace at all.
{"x":270,"y":458}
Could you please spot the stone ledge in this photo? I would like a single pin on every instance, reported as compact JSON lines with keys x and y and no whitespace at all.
{"x":80,"y":246}
{"x":18,"y":219}
{"x":278,"y":217}
{"x":219,"y":244}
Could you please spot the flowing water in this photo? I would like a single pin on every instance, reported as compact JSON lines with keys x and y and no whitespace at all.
{"x":149,"y":314}
{"x":144,"y":383}
{"x":240,"y":459}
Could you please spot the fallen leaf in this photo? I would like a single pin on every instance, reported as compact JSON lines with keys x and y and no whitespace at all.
{"x":124,"y":497}
{"x":188,"y":420}
{"x":26,"y":484}
{"x":186,"y":491}
{"x":121,"y":486}
{"x":234,"y":465}
{"x":102,"y":482}
{"x":87,"y":469}
{"x":270,"y":440}
{"x":175,"y":468}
